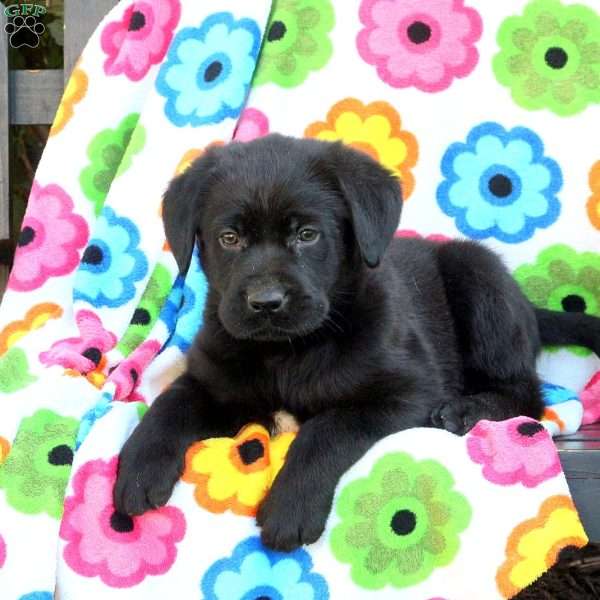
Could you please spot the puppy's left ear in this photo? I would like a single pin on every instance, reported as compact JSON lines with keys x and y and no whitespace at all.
{"x":374,"y":197}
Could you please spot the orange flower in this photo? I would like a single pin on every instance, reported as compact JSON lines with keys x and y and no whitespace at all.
{"x":534,"y":545}
{"x":74,"y":93}
{"x":34,"y":318}
{"x":236,"y":473}
{"x":191,"y":155}
{"x":376,"y":129}
{"x":4,"y":449}
{"x":97,"y":377}
{"x":593,"y":204}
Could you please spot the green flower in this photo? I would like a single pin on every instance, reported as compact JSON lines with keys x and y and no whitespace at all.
{"x":148,"y":309}
{"x":550,"y":57}
{"x":296,"y":42}
{"x":14,"y":371}
{"x":562,"y":279}
{"x":399,"y":523}
{"x":111,"y":154}
{"x":35,"y":474}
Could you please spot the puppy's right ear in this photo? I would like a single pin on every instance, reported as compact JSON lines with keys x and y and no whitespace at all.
{"x":181,"y":208}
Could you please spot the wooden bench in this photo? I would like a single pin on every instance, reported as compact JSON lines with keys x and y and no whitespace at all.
{"x":31,"y":97}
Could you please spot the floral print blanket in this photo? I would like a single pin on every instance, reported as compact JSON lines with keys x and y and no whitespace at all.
{"x":485,"y":110}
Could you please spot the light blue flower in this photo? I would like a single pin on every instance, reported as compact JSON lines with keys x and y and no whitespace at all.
{"x":557,"y":394}
{"x":499,"y":184}
{"x":112,"y":262}
{"x":253,"y":572}
{"x":184,"y":308}
{"x":209,"y":69}
{"x":97,"y":411}
{"x":37,"y":596}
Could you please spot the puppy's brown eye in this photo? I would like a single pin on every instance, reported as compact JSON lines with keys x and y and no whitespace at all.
{"x":229,"y":239}
{"x":308,"y":235}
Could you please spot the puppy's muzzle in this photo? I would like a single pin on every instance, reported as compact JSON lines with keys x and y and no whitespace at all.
{"x":271,"y":299}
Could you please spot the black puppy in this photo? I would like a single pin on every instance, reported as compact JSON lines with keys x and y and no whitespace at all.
{"x":313,"y":309}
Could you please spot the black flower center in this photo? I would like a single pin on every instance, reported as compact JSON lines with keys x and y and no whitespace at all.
{"x":60,"y":455}
{"x":93,"y":255}
{"x":276,"y":31}
{"x":134,"y":375}
{"x":93,"y":354}
{"x":418,"y":32}
{"x":26,"y":236}
{"x":573,"y":303}
{"x":140,"y":317}
{"x":403,"y":522}
{"x":556,"y":57}
{"x":137,"y":21}
{"x":263,"y":598}
{"x":251,"y":451}
{"x":529,"y":429}
{"x":500,"y":185}
{"x":121,"y":523}
{"x":213,"y":71}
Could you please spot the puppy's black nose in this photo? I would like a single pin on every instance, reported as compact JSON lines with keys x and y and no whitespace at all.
{"x":271,"y":299}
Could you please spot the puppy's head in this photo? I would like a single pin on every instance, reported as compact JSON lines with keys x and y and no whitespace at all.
{"x":280,"y":222}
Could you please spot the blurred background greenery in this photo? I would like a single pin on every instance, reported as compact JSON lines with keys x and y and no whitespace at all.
{"x":27,"y":141}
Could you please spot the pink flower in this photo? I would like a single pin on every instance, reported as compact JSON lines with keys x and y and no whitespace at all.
{"x":420,"y":43}
{"x":411,"y":233}
{"x":141,"y":38}
{"x":518,"y":450}
{"x":252,"y":124}
{"x":82,"y":353}
{"x":2,"y":552}
{"x":590,"y":398}
{"x":127,"y":374}
{"x":121,"y":550}
{"x":50,"y":240}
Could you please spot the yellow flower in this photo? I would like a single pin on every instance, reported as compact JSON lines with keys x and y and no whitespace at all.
{"x":74,"y":92}
{"x":534,"y":545}
{"x":34,"y":318}
{"x":236,"y":473}
{"x":375,"y":129}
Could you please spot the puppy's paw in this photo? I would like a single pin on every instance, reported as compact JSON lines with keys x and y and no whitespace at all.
{"x":457,"y":416}
{"x":145,"y":480}
{"x":288,"y":519}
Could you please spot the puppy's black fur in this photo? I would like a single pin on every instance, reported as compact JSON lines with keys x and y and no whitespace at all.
{"x":356,"y":335}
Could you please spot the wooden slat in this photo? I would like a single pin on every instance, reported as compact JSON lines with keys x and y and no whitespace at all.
{"x":4,"y":128}
{"x":81,"y":18}
{"x":34,"y":95}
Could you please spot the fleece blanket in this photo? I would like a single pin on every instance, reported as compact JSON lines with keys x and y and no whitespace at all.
{"x":487,"y":112}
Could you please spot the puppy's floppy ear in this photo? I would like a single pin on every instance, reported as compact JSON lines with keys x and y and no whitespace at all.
{"x":181,"y":208}
{"x":374,"y":197}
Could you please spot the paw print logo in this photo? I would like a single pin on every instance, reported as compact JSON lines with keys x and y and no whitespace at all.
{"x":24,"y":31}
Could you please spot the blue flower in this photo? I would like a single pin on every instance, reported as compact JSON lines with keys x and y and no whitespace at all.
{"x":253,"y":572}
{"x":183,"y":310}
{"x":37,"y":596}
{"x":209,"y":69}
{"x":499,"y":184}
{"x":112,"y":262}
{"x":97,"y":411}
{"x":557,"y":394}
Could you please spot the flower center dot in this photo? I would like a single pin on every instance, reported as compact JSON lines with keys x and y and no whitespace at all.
{"x":418,"y":32}
{"x":403,"y":522}
{"x":263,"y":598}
{"x":276,"y":31}
{"x":92,"y":255}
{"x":134,"y":375}
{"x":556,"y":57}
{"x":213,"y":71}
{"x":251,"y":451}
{"x":137,"y":21}
{"x":121,"y":523}
{"x":529,"y":429}
{"x":26,"y":236}
{"x":93,"y":354}
{"x":60,"y":455}
{"x":140,"y":317}
{"x":500,"y":185}
{"x":573,"y":303}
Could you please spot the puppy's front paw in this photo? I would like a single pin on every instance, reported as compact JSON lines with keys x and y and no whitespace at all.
{"x":289,"y":519}
{"x":458,"y":416}
{"x":147,"y":475}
